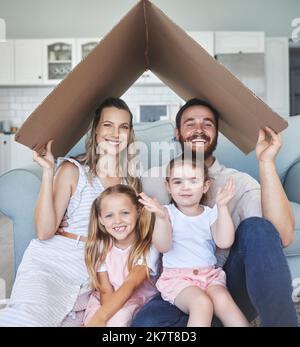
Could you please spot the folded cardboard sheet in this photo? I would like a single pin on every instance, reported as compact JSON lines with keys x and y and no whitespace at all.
{"x":145,"y":39}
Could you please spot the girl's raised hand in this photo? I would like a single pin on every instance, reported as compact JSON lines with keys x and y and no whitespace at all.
{"x":152,"y":205}
{"x":46,"y":161}
{"x":225,"y":194}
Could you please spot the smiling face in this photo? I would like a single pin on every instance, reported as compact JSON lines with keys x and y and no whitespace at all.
{"x":119,"y":216}
{"x":186,"y":185}
{"x":198,"y":130}
{"x":113,"y":130}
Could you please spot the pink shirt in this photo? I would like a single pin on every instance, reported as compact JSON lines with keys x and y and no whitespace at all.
{"x":116,"y":265}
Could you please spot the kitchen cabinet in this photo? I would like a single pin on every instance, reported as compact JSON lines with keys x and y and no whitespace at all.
{"x":227,"y":42}
{"x":205,"y":39}
{"x":20,"y":155}
{"x":249,"y":68}
{"x":29,"y":62}
{"x":277,"y":74}
{"x":59,"y":59}
{"x":4,"y":153}
{"x":13,"y":154}
{"x":7,"y":63}
{"x":84,"y":47}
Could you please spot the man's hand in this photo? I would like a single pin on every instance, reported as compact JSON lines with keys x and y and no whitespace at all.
{"x":266,"y":151}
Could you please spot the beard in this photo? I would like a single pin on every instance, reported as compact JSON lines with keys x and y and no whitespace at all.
{"x":207,"y":151}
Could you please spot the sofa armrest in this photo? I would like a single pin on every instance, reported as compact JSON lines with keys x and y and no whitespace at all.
{"x":19,"y":189}
{"x":292,"y":183}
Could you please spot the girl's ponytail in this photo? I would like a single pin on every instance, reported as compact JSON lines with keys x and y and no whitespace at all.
{"x":96,"y":246}
{"x":144,"y":228}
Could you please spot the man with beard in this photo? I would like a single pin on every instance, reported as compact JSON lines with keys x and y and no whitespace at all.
{"x":258,"y":276}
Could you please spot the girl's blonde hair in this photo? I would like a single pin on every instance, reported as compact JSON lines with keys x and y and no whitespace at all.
{"x":91,"y":157}
{"x":99,"y":241}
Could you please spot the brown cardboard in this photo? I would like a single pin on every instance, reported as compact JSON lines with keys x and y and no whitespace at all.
{"x":146,"y":39}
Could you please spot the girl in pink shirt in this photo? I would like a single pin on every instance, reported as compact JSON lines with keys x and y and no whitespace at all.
{"x":119,"y":258}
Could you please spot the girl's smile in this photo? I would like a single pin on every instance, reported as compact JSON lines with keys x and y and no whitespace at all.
{"x":119,"y":216}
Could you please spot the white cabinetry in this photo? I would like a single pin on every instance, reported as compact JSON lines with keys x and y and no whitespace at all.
{"x":13,"y":154}
{"x":59,"y":59}
{"x":277,"y":74}
{"x":4,"y":153}
{"x":249,"y":68}
{"x":7,"y":62}
{"x":84,"y":47}
{"x":205,"y":39}
{"x":28,"y":62}
{"x":239,"y":42}
{"x":20,"y":154}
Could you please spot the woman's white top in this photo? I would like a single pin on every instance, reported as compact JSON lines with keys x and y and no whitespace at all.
{"x":78,"y":211}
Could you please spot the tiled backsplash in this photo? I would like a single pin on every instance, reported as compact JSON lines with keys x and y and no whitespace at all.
{"x":17,"y":103}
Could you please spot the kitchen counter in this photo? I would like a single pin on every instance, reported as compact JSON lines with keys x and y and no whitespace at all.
{"x":7,"y":133}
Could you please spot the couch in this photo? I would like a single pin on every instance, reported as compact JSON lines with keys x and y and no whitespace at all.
{"x":19,"y":187}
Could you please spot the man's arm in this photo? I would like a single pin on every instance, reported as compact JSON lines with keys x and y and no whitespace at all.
{"x":275,"y":204}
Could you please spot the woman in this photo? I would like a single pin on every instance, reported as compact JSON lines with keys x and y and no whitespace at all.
{"x":53,"y":274}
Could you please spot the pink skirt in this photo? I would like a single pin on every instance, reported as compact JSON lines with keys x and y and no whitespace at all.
{"x":172,"y":281}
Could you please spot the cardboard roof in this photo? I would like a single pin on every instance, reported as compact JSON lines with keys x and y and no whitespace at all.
{"x":145,"y":39}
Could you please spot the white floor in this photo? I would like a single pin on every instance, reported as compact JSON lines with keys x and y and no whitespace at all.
{"x":6,"y":256}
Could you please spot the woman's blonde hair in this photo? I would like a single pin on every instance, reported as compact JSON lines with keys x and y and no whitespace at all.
{"x":91,"y":157}
{"x":99,"y":241}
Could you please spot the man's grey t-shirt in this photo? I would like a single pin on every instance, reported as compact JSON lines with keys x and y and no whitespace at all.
{"x":245,"y":203}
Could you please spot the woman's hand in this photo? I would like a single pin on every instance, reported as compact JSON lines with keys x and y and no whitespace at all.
{"x":266,"y":151}
{"x":46,"y":161}
{"x":152,"y":205}
{"x":225,"y":194}
{"x":63,"y":224}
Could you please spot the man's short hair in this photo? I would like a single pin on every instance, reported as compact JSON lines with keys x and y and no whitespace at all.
{"x":197,"y":102}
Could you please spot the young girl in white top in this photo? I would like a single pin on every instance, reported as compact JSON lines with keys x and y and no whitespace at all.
{"x":187,"y":232}
{"x":119,"y":258}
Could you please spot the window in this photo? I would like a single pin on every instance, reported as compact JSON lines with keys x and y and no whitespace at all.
{"x":153,"y":113}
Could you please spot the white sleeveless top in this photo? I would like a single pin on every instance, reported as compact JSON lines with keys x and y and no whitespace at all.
{"x":192,"y":241}
{"x":78,"y":211}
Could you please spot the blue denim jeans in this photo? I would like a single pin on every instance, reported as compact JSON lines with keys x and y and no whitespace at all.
{"x":258,"y":279}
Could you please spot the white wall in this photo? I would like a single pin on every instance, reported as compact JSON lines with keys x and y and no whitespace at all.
{"x":89,"y":18}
